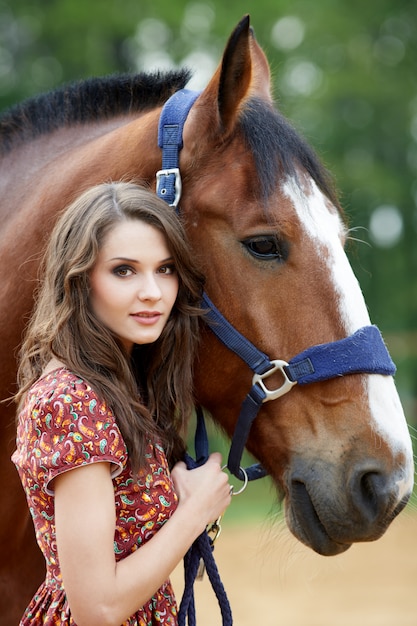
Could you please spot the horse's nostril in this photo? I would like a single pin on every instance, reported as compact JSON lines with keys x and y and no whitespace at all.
{"x":374,"y":493}
{"x":370,"y":493}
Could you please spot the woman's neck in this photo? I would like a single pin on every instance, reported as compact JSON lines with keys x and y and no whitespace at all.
{"x":53,"y":364}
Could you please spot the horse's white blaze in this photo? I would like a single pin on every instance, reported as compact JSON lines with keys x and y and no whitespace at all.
{"x":391,"y":425}
{"x":323,"y":225}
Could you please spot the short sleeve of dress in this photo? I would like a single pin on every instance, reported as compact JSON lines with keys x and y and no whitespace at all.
{"x":68,"y":426}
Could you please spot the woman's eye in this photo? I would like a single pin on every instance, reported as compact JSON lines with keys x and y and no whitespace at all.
{"x":167,"y":269}
{"x":123,"y":271}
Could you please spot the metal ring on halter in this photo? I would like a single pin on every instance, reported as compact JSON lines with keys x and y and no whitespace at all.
{"x":245,"y":482}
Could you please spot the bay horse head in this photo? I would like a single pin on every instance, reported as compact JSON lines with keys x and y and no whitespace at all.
{"x":266,"y":227}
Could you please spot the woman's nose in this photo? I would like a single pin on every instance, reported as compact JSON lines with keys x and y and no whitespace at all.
{"x":149,"y":288}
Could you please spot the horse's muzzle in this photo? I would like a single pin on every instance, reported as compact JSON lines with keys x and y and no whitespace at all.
{"x":328,"y":509}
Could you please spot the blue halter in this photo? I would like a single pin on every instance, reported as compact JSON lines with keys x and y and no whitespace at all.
{"x":362,"y":352}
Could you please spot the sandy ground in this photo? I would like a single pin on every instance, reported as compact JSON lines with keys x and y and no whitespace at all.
{"x":272,"y":580}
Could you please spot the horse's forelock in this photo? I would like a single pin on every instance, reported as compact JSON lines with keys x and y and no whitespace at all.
{"x":278,"y":150}
{"x":87,"y":100}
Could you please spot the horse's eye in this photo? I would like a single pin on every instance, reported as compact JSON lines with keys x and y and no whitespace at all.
{"x":267,"y":248}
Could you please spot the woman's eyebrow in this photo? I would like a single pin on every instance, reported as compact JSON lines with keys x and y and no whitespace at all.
{"x":128,"y":260}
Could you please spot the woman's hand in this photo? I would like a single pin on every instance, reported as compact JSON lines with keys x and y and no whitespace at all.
{"x":204,"y":490}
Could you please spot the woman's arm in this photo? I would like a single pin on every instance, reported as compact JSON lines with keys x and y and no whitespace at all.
{"x":100,"y":590}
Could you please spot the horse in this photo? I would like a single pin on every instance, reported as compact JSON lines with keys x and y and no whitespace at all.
{"x":264,"y":222}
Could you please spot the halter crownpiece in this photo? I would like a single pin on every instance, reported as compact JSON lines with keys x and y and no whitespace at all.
{"x":171,"y":124}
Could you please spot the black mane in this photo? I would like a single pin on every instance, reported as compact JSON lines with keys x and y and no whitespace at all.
{"x":87,"y":100}
{"x":278,"y":149}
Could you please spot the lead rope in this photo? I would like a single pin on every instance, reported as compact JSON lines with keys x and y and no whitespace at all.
{"x":201,"y":551}
{"x":202,"y":548}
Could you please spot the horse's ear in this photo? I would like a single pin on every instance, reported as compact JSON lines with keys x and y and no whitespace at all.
{"x":243,"y":72}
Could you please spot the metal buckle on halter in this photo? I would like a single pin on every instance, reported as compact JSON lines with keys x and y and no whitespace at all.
{"x":272,"y":394}
{"x":177,"y":184}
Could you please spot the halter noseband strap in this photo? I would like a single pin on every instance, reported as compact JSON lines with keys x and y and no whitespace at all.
{"x":362,"y":352}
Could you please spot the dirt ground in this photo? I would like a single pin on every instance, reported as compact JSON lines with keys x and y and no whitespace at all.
{"x":272,"y":580}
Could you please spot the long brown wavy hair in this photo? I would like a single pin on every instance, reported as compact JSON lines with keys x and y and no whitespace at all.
{"x":151,"y":391}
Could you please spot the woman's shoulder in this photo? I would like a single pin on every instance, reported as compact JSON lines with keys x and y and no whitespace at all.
{"x":64,"y":425}
{"x":61,"y":389}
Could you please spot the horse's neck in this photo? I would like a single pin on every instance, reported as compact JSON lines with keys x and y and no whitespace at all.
{"x":31,"y":156}
{"x":73,"y":157}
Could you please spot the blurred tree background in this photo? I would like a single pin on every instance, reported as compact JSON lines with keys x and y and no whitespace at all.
{"x":344,"y":72}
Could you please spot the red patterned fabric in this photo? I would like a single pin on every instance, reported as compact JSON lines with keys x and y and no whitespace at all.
{"x":64,"y":425}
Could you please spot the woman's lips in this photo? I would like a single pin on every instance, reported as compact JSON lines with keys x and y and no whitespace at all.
{"x":147,"y":317}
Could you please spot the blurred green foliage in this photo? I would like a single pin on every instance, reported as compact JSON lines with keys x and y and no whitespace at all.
{"x":343,"y":71}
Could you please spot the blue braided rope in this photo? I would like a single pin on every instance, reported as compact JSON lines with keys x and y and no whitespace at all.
{"x":202,"y":548}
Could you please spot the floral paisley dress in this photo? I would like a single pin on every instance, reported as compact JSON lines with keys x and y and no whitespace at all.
{"x":64,"y":425}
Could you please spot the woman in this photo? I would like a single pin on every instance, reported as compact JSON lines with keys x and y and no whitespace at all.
{"x":105,"y":389}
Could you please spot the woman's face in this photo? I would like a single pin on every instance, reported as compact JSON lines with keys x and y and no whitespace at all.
{"x":134,"y":283}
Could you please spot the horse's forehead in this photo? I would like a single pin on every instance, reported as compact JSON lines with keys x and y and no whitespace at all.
{"x":322,"y":223}
{"x":318,"y":217}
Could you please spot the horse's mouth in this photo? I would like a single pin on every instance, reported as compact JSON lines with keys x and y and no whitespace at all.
{"x":305,"y":523}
